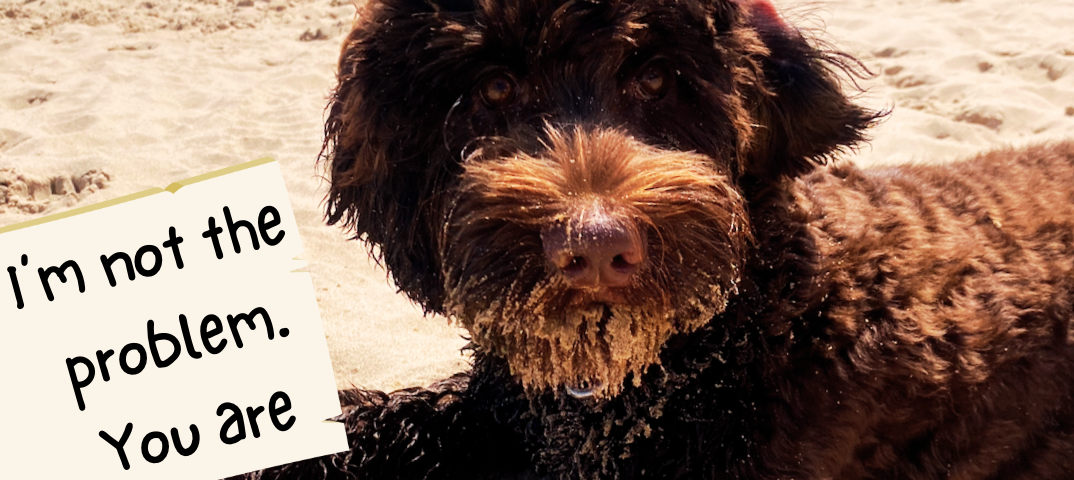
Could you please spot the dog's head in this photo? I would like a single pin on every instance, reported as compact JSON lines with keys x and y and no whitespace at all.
{"x":568,"y":178}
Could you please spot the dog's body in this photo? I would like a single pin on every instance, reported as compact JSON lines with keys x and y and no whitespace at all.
{"x":622,"y":203}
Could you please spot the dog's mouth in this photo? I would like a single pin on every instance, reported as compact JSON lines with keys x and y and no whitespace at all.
{"x":579,"y":298}
{"x":585,"y":388}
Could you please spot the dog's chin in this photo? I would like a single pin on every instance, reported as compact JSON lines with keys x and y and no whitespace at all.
{"x":594,"y":346}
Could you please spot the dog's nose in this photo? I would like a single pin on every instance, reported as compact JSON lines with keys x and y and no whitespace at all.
{"x":595,"y":252}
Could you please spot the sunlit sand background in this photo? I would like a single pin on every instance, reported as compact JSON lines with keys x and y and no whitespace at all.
{"x":142,"y":94}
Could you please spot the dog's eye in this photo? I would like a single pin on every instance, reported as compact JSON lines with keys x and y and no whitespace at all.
{"x":652,"y":83}
{"x":499,"y":90}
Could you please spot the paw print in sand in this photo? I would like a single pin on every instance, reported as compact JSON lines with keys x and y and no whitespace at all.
{"x":29,"y":193}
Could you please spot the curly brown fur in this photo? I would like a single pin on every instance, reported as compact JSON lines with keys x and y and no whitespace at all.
{"x":762,"y":316}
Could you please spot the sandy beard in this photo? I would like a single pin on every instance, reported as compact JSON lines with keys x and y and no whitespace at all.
{"x":586,"y":350}
{"x":589,"y":339}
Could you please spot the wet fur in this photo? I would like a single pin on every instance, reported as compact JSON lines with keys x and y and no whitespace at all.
{"x":910,"y":322}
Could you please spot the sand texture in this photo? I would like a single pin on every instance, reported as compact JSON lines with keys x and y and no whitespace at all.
{"x":105,"y":98}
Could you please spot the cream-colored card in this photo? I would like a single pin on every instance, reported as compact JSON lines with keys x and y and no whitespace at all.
{"x":231,"y":343}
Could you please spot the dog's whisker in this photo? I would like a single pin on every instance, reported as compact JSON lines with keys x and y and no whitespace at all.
{"x":447,"y":121}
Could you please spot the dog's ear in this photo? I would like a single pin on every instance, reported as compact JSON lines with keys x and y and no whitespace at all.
{"x":802,"y":116}
{"x":374,"y":133}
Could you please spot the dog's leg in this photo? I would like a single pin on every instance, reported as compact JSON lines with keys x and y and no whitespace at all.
{"x":417,"y":433}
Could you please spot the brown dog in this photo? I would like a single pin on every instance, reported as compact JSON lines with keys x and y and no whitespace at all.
{"x":623,"y":202}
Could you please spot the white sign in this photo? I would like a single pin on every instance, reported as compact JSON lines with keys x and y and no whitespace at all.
{"x":164,"y":334}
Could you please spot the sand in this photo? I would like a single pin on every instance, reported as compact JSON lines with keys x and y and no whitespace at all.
{"x":105,"y":98}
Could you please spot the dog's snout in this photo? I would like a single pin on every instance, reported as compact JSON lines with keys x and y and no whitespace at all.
{"x":595,"y":252}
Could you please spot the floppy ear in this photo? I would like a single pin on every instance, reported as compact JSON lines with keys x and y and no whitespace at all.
{"x":351,"y":148}
{"x":803,"y":116}
{"x":376,"y":142}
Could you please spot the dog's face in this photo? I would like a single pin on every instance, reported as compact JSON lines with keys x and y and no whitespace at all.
{"x":569,"y":179}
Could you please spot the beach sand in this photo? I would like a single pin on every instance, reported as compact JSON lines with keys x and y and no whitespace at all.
{"x":102,"y":98}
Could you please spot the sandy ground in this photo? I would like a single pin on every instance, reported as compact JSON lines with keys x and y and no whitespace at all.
{"x":103,"y":98}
